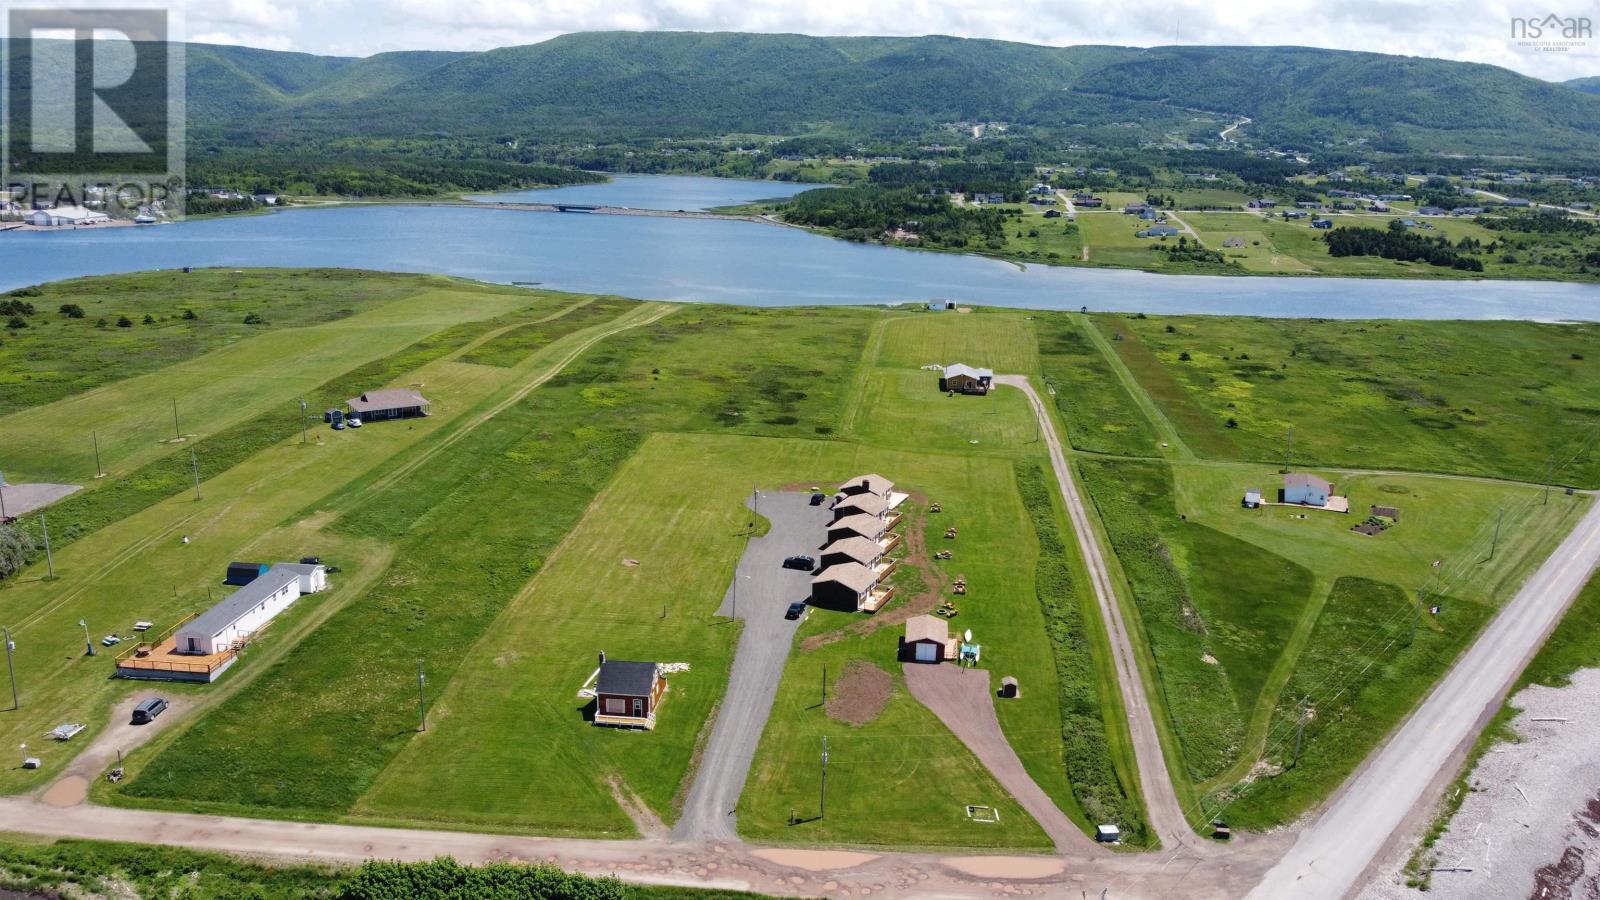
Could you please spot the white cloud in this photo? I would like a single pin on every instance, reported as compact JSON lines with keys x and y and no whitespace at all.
{"x":1474,"y":30}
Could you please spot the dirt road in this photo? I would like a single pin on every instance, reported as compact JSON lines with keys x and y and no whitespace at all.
{"x":1333,"y":856}
{"x":963,"y":699}
{"x":762,"y":589}
{"x":1161,"y":801}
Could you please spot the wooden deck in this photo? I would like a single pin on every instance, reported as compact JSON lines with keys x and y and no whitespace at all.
{"x":164,"y":661}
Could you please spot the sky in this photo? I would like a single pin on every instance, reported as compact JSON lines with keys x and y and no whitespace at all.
{"x":1471,"y":30}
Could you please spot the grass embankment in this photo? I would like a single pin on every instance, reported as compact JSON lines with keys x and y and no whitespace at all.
{"x":470,"y":529}
{"x":1499,"y":399}
{"x":1097,"y":750}
{"x":75,"y":868}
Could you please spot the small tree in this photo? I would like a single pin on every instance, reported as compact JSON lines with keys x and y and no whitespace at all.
{"x":72,"y":310}
{"x":101,"y":323}
{"x":149,"y":319}
{"x":1184,"y":356}
{"x":124,"y":322}
{"x":189,"y":315}
{"x":16,"y":547}
{"x":17,"y":322}
{"x":254,"y":319}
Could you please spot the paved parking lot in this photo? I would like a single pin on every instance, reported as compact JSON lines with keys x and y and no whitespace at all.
{"x":762,"y":589}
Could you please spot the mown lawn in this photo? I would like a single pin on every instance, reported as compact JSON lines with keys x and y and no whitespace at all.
{"x":348,"y":692}
{"x":874,"y":769}
{"x":1001,"y":340}
{"x":903,"y":408}
{"x":1502,"y":399}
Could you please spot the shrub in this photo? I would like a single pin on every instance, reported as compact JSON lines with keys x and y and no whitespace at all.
{"x":17,"y":322}
{"x":124,"y":322}
{"x":254,"y":319}
{"x":149,"y":319}
{"x":72,"y":310}
{"x":1184,"y":356}
{"x":189,"y":315}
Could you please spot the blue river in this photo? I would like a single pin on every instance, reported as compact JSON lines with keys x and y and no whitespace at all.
{"x":739,"y":262}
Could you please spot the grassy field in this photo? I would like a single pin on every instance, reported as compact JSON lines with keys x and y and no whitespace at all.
{"x":1101,"y":414}
{"x":538,"y":463}
{"x":1502,"y":399}
{"x":1233,"y":601}
{"x":998,"y":340}
{"x":57,"y":356}
{"x":133,"y":417}
{"x":248,"y":509}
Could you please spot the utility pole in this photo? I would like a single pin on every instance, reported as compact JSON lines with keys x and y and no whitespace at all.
{"x":422,"y":700}
{"x":1288,"y":449}
{"x":824,"y":683}
{"x":1497,"y":520}
{"x":194,"y":461}
{"x":2,"y":495}
{"x":177,"y":433}
{"x":822,"y":805}
{"x":88,"y":644}
{"x":98,"y":472}
{"x":305,"y":434}
{"x":49,"y":561}
{"x":1300,"y":732}
{"x":1416,"y":615}
{"x":16,"y":703}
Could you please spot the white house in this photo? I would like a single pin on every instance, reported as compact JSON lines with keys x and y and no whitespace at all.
{"x":66,"y":215}
{"x":1309,"y":490}
{"x":245,"y":611}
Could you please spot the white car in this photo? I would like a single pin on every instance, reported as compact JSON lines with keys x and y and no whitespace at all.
{"x":353,"y":422}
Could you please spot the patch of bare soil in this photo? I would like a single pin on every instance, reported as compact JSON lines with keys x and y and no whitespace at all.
{"x":644,"y":818}
{"x":860,"y":694}
{"x":917,"y":557}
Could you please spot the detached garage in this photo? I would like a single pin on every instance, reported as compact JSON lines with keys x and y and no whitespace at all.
{"x":927,"y":640}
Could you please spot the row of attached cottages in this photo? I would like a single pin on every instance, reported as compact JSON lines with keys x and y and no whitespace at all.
{"x":855,"y":560}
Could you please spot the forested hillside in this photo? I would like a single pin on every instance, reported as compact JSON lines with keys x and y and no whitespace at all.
{"x":681,"y":84}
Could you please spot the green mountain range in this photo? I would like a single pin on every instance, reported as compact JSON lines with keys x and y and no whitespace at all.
{"x":683,"y":84}
{"x":1590,"y":85}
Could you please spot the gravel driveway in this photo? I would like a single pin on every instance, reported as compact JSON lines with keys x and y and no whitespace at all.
{"x":761,"y":591}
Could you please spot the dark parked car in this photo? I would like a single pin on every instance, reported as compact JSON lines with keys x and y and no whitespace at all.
{"x":148,"y":709}
{"x":796,"y":610}
{"x":817,"y":498}
{"x":804,"y":563}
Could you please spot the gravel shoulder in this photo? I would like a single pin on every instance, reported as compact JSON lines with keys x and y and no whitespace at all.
{"x":21,"y":499}
{"x":1530,"y":825}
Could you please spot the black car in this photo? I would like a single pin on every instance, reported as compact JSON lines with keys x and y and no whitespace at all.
{"x":817,"y":498}
{"x":796,"y":610}
{"x":147,"y":710}
{"x":804,"y":563}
